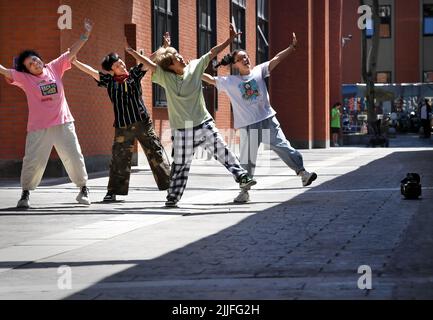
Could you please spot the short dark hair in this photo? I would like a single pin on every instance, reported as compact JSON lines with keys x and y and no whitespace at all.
{"x":19,"y":61}
{"x":109,"y":60}
{"x":336,"y":105}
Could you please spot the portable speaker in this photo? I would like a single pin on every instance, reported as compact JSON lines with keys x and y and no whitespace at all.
{"x":411,"y":186}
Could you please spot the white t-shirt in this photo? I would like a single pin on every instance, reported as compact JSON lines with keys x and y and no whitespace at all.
{"x":249,"y":96}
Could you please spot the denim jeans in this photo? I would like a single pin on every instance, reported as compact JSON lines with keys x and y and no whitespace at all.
{"x":267,"y":132}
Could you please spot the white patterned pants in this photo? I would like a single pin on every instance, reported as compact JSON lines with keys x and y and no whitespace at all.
{"x":38,"y":149}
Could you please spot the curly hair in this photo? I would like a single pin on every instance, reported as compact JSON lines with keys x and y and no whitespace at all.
{"x":19,"y":61}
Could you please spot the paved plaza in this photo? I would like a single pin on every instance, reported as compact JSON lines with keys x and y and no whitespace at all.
{"x":288,"y":243}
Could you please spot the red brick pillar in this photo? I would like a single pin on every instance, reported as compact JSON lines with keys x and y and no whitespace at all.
{"x":335,"y":53}
{"x":300,"y":85}
{"x":407,"y":40}
{"x":291,"y":85}
{"x":321,"y":45}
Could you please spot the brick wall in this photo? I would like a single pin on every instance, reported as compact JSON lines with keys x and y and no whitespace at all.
{"x":20,"y":30}
{"x":90,"y":105}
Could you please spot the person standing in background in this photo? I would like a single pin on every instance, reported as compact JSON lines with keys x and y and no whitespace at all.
{"x":335,"y":123}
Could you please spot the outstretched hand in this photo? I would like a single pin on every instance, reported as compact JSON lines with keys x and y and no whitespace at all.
{"x":166,"y":40}
{"x":294,"y":41}
{"x":233,"y":33}
{"x":126,"y":45}
{"x":88,"y":25}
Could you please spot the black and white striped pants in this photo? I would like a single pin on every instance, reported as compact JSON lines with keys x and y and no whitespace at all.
{"x":185,"y":143}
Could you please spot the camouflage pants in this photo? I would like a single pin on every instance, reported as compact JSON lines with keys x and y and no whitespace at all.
{"x":123,"y":146}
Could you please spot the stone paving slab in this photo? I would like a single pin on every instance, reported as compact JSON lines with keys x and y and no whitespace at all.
{"x":288,"y":243}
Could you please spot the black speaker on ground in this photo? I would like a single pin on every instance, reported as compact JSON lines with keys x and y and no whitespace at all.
{"x":411,"y":186}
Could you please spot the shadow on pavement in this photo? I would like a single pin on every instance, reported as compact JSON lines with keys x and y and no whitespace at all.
{"x":309,"y":247}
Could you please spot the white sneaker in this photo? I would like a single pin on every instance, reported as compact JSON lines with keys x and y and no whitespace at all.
{"x":336,"y":145}
{"x":308,"y":178}
{"x":83,"y":196}
{"x":243,"y":197}
{"x":24,"y":202}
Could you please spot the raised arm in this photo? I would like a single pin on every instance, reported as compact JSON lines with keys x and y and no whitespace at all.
{"x":208,"y":79}
{"x":219,"y":48}
{"x":5,"y":72}
{"x":165,"y":44}
{"x":147,"y":63}
{"x":283,"y":54}
{"x":87,"y":69}
{"x":76,"y":47}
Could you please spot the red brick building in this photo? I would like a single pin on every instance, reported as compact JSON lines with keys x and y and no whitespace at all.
{"x":301,"y":89}
{"x":406,"y":42}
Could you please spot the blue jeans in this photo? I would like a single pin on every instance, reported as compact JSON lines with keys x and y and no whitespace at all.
{"x":268,"y":132}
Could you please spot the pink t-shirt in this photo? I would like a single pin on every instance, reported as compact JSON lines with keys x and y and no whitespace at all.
{"x":45,"y":94}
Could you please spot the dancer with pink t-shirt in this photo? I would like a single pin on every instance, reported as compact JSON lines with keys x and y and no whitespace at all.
{"x":50,"y":122}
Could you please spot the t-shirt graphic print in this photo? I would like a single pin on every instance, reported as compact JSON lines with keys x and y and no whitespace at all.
{"x":249,"y":90}
{"x":48,"y":89}
{"x":249,"y":95}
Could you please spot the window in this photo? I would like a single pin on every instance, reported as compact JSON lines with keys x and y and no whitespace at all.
{"x":206,"y":25}
{"x":428,"y":76}
{"x":383,"y":77}
{"x":262,"y":31}
{"x":428,"y":20}
{"x":237,"y":12}
{"x":206,"y":32}
{"x":238,"y":19}
{"x":164,"y":19}
{"x":385,"y":14}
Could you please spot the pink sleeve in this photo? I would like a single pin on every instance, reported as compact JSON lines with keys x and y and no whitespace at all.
{"x":61,"y":64}
{"x":18,"y":78}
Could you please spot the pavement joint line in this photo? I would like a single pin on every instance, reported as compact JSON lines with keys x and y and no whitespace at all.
{"x":347,"y":280}
{"x":327,"y":163}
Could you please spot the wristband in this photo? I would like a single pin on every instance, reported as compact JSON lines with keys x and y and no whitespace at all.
{"x":84,"y":37}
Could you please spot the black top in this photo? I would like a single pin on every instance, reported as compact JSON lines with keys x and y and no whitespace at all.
{"x":126,"y":97}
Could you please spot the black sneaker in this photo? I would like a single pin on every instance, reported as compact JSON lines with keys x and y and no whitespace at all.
{"x":171,"y":203}
{"x":24,"y":202}
{"x":109,"y":197}
{"x":246,"y":182}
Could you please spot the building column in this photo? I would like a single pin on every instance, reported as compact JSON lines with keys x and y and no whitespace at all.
{"x":407,"y":41}
{"x":335,"y":50}
{"x":291,"y":83}
{"x":300,"y":85}
{"x":321,"y":75}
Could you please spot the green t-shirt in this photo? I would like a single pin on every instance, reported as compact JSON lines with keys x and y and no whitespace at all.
{"x":185,"y":100}
{"x":335,"y":118}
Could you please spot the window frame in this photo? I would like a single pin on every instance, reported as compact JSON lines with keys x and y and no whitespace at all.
{"x":210,"y":30}
{"x":425,"y":72}
{"x":170,"y":17}
{"x":389,"y":73}
{"x":262,"y":36}
{"x":370,"y":30}
{"x":425,"y":5}
{"x":238,"y":6}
